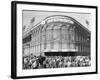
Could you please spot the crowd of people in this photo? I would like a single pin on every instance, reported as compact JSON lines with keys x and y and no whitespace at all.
{"x":36,"y":62}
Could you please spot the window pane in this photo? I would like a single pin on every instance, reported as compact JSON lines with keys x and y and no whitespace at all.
{"x":48,"y":47}
{"x":48,"y":35}
{"x":56,"y":46}
{"x":64,"y":46}
{"x":56,"y":35}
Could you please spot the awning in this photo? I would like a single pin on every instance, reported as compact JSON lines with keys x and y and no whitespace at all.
{"x":62,"y":50}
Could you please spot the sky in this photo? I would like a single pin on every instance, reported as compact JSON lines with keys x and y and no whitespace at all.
{"x":41,"y":15}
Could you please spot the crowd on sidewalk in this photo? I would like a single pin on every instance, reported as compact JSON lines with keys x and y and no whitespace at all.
{"x":38,"y":62}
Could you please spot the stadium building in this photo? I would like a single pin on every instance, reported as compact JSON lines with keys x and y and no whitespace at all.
{"x":57,"y":35}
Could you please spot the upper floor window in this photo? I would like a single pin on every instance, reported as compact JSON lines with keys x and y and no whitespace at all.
{"x":27,"y":39}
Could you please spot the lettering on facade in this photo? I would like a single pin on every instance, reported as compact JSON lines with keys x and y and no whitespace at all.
{"x":59,"y":19}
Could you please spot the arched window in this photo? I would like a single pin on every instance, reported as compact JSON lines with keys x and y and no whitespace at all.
{"x":43,"y":37}
{"x":64,"y":37}
{"x":56,"y":35}
{"x":64,"y":33}
{"x":56,"y":32}
{"x":35,"y":41}
{"x":49,"y":33}
{"x":72,"y":37}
